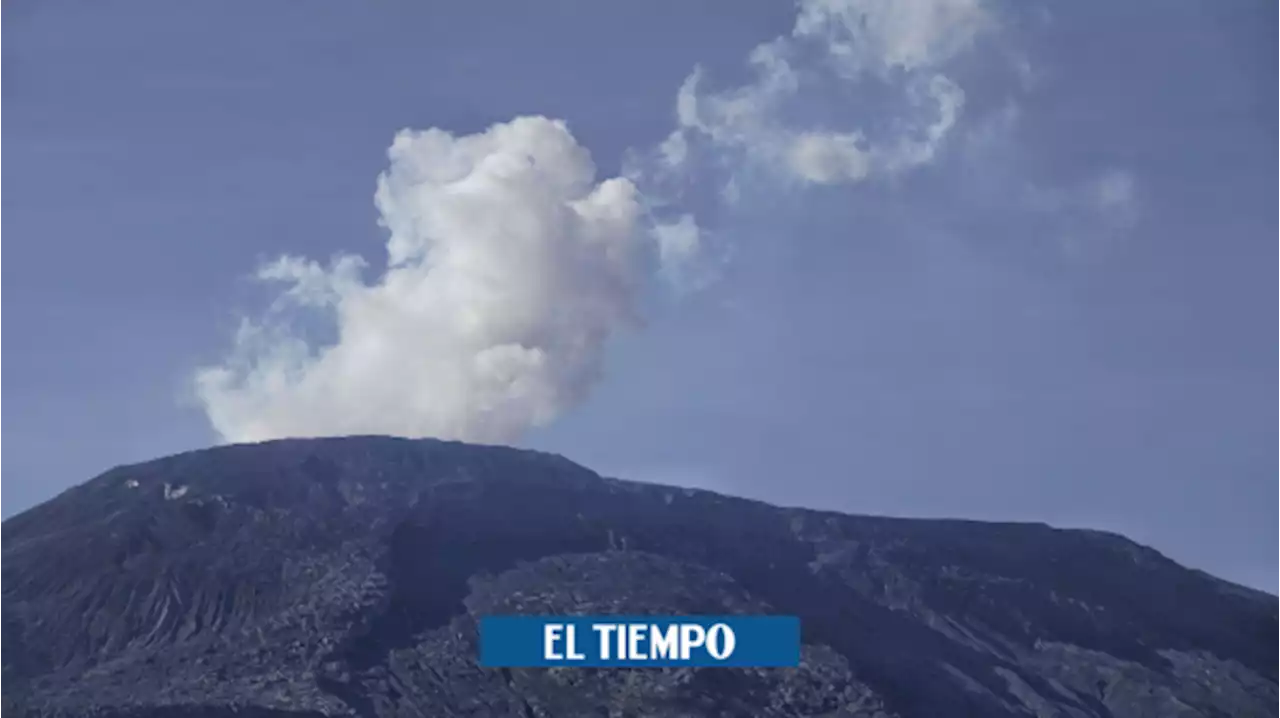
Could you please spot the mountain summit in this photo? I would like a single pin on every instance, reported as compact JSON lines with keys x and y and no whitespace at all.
{"x":344,"y":577}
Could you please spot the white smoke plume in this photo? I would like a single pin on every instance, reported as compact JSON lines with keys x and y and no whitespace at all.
{"x":510,"y":264}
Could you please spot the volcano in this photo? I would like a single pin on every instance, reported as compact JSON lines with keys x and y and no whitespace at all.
{"x":345,"y":577}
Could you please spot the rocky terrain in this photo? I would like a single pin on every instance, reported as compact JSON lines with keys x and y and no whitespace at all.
{"x":344,"y":577}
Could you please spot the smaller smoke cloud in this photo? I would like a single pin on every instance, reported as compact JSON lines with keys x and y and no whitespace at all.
{"x":835,"y":46}
{"x":895,"y":109}
{"x":508,"y":267}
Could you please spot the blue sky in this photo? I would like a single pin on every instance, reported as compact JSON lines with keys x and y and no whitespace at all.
{"x":1003,"y":261}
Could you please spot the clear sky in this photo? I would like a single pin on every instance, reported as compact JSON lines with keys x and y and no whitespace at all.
{"x":995,"y":260}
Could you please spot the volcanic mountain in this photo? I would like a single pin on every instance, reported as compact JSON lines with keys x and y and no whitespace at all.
{"x":344,"y":577}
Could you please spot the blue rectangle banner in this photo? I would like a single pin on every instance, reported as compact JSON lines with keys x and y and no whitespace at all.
{"x":634,"y":641}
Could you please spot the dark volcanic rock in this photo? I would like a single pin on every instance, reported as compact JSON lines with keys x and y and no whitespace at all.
{"x":343,"y":577}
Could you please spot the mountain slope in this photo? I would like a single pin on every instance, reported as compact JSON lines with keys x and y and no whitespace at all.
{"x":344,"y":577}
